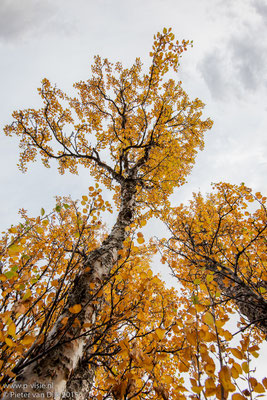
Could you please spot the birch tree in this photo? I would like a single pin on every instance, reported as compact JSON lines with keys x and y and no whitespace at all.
{"x":138,"y":134}
{"x":223,"y":237}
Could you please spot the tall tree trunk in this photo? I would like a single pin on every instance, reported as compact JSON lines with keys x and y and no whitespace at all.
{"x":81,"y":381}
{"x":49,"y":369}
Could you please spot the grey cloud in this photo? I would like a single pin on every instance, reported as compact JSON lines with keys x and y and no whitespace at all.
{"x":21,"y":19}
{"x":211,"y":70}
{"x":261,"y":8}
{"x":236,"y":68}
{"x":249,"y":58}
{"x":237,"y":65}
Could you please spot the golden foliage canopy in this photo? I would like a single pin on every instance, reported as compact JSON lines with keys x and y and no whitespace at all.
{"x":123,"y":123}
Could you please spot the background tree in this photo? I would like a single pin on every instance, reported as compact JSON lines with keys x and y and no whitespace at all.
{"x":138,"y":134}
{"x":223,"y":238}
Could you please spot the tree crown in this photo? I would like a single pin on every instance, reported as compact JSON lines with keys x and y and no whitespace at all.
{"x":123,"y":124}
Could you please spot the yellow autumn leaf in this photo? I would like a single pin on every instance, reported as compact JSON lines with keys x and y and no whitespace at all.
{"x":143,"y":275}
{"x":140,"y":239}
{"x":210,"y":384}
{"x":209,"y":278}
{"x":27,"y":295}
{"x":234,"y":372}
{"x":9,"y":342}
{"x":15,"y":249}
{"x":245,"y":367}
{"x":12,"y":330}
{"x":160,"y":333}
{"x":200,"y":307}
{"x":227,"y":335}
{"x":183,"y":367}
{"x":209,"y":367}
{"x":168,"y":379}
{"x":197,"y":389}
{"x":28,"y":339}
{"x":208,"y":318}
{"x":149,"y":273}
{"x":75,"y":309}
{"x":259,"y":388}
{"x":124,"y":353}
{"x":258,"y":195}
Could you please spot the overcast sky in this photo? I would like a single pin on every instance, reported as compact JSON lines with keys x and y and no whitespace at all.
{"x":226,"y":69}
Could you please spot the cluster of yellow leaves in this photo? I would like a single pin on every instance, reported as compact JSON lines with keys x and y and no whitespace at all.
{"x":141,"y":311}
{"x":121,"y":119}
{"x":228,"y":228}
{"x":149,"y":341}
{"x":224,"y":233}
{"x":162,"y":345}
{"x":39,"y":260}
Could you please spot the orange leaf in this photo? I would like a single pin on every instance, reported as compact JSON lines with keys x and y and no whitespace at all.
{"x":75,"y":309}
{"x":140,"y":240}
{"x":238,"y":396}
{"x":64,"y":320}
{"x":225,"y":379}
{"x":237,"y":353}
